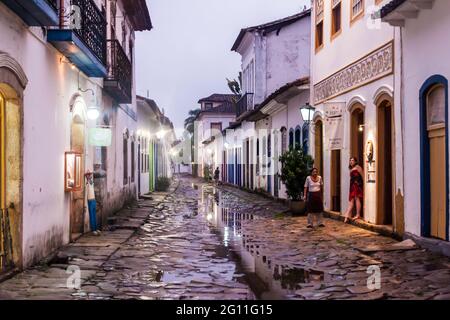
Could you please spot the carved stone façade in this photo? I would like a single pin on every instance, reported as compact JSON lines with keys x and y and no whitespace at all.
{"x":375,"y":65}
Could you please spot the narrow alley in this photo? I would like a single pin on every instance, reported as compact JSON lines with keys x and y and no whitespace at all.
{"x":201,"y":242}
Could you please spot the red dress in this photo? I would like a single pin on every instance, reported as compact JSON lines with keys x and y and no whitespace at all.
{"x":356,"y":185}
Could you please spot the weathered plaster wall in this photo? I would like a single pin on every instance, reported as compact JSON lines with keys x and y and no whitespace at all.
{"x":47,"y":118}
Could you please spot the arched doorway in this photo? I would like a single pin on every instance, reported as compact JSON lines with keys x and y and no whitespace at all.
{"x":77,"y":144}
{"x":357,"y":128}
{"x":318,"y":145}
{"x":335,"y":180}
{"x":357,"y":133}
{"x":434,"y":152}
{"x":385,"y":159}
{"x":12,"y":84}
{"x":10,"y":178}
{"x":276,"y":163}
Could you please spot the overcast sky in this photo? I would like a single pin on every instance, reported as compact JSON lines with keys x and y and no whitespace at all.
{"x":187,"y":54}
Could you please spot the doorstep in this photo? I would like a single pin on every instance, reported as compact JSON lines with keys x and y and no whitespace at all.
{"x":431,"y":244}
{"x":384,"y":230}
{"x":263,"y":194}
{"x":8,"y":274}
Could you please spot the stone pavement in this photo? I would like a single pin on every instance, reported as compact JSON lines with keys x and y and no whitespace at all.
{"x":203,"y":242}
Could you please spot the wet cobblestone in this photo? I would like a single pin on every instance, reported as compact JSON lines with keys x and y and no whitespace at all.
{"x":202,"y":242}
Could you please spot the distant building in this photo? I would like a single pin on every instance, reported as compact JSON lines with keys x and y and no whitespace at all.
{"x":154,"y":138}
{"x":217,"y":112}
{"x":275,"y":69}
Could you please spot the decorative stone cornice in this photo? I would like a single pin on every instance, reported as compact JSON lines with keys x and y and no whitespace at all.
{"x":374,"y":66}
{"x":6,"y":61}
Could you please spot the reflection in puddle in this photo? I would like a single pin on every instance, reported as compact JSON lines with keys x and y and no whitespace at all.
{"x":267,"y":279}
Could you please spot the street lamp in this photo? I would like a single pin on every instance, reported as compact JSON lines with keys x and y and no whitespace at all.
{"x":160,"y":134}
{"x":93,"y":113}
{"x":307,"y":112}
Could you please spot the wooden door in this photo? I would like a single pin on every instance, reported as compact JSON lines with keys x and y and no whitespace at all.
{"x":335,"y":180}
{"x":318,"y":147}
{"x":385,"y":160}
{"x":436,"y":136}
{"x":78,"y":205}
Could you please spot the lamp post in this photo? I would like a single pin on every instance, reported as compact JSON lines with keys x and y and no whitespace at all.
{"x":307,"y":112}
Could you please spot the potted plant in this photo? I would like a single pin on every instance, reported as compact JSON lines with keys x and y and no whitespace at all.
{"x":295,"y":168}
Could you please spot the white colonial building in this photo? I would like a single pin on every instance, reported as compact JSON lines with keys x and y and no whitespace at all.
{"x":275,"y":84}
{"x":217,"y":112}
{"x":67,"y":102}
{"x":352,"y":77}
{"x":155,"y":136}
{"x":421,"y":89}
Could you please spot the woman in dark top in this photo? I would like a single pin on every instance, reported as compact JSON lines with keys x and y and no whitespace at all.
{"x":356,"y":190}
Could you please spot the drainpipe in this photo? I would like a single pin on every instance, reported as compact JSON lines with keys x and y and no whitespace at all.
{"x":402,"y":101}
{"x":61,"y":14}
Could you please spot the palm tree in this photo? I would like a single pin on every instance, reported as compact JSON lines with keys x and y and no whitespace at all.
{"x":189,"y":121}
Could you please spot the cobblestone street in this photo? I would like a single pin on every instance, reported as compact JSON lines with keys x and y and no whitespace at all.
{"x":199,"y":242}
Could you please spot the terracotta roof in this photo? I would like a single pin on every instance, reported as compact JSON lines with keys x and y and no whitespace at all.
{"x":270,"y":26}
{"x":151,"y":103}
{"x":287,"y":86}
{"x":220,"y":97}
{"x":225,"y":108}
{"x":391,"y":6}
{"x":138,"y":13}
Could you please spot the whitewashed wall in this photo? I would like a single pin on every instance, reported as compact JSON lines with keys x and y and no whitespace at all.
{"x":52,"y":87}
{"x":355,"y":42}
{"x":425,"y":54}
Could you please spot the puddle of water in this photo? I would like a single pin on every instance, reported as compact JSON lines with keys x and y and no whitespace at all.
{"x":266,"y":279}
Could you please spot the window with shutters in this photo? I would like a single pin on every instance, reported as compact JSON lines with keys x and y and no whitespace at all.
{"x":357,"y":9}
{"x":336,"y":18}
{"x":319,"y":24}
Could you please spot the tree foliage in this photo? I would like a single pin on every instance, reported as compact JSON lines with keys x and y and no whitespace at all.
{"x":296,"y":167}
{"x":189,"y":121}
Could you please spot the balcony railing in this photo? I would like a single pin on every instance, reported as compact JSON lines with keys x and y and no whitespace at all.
{"x":244,"y":104}
{"x":82,"y":36}
{"x":53,"y":3}
{"x":118,"y":82}
{"x":92,"y":25}
{"x":40,"y":13}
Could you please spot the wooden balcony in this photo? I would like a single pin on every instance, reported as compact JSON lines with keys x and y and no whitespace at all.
{"x":40,"y":13}
{"x":244,"y":104}
{"x":81,"y":37}
{"x":118,"y":83}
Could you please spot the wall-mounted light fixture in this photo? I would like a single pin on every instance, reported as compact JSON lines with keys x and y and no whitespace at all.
{"x":361,"y":128}
{"x":93,"y":110}
{"x":63,"y":60}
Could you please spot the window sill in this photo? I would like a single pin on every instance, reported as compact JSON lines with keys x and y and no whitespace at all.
{"x":335,"y":35}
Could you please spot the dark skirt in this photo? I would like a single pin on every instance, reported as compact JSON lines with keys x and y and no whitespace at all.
{"x":314,"y":203}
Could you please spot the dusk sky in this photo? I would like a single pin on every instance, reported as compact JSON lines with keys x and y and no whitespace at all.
{"x":187,"y":55}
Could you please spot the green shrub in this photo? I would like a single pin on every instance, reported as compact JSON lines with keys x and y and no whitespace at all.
{"x":207,"y":173}
{"x":296,"y":166}
{"x":162,"y":184}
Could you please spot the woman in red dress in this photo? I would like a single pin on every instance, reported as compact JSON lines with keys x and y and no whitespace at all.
{"x":356,"y":190}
